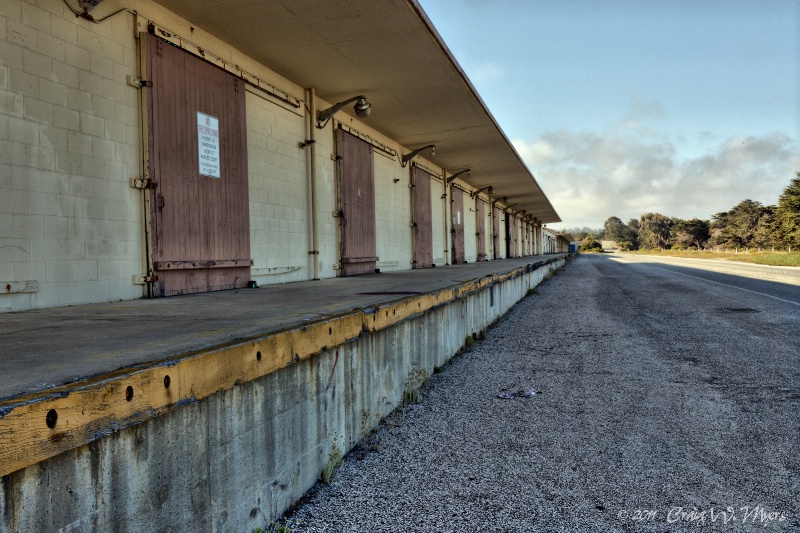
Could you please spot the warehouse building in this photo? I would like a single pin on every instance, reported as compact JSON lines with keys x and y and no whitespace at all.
{"x":161,"y":148}
{"x":150,"y":149}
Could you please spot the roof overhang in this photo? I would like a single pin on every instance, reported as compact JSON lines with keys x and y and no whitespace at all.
{"x":389,"y":51}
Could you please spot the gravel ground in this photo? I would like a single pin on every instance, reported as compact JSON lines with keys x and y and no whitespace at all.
{"x":617,"y":398}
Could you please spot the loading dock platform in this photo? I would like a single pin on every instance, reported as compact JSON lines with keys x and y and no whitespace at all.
{"x":292,"y":372}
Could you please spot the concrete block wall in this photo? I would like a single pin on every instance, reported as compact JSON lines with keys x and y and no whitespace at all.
{"x":69,"y":144}
{"x":470,"y":225}
{"x":440,"y":220}
{"x":392,"y":213}
{"x":327,"y":201}
{"x":487,"y":228}
{"x":258,"y":445}
{"x":528,"y":241}
{"x":503,"y":242}
{"x":501,"y":236}
{"x":279,"y":192}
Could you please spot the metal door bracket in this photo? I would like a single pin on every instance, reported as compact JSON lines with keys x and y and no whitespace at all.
{"x":139,"y":82}
{"x":143,"y":183}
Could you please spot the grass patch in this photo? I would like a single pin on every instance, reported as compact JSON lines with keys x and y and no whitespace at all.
{"x":768,"y":258}
{"x":272,"y":527}
{"x":760,"y":258}
{"x":334,"y":462}
{"x":413,"y":384}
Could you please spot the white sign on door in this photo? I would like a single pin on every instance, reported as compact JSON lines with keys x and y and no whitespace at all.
{"x":208,"y":145}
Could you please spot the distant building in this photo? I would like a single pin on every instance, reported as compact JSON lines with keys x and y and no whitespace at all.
{"x":566,"y":243}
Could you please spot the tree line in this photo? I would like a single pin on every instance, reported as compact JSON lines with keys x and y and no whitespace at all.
{"x":748,"y":224}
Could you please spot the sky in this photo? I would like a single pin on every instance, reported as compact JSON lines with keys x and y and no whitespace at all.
{"x":622,"y":107}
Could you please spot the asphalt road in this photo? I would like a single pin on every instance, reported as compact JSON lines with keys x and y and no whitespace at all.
{"x":667,"y":399}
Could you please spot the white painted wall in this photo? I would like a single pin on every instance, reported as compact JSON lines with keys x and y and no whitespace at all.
{"x":327,"y":203}
{"x":491,"y":232}
{"x":470,"y":239}
{"x":279,"y":193}
{"x":548,"y":242}
{"x":440,"y":222}
{"x":487,"y":226}
{"x":69,"y":144}
{"x":392,"y":213}
{"x":501,"y":236}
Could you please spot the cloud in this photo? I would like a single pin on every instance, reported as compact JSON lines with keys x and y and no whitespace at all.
{"x":631,"y":169}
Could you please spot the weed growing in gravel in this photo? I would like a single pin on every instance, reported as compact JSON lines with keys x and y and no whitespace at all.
{"x":467,"y":341}
{"x":334,"y":462}
{"x":414,"y":381}
{"x":392,"y":421}
{"x":366,"y":426}
{"x":410,"y":396}
{"x":272,"y":527}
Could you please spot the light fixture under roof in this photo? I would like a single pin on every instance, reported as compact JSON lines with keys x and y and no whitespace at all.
{"x":361,"y":107}
{"x":489,"y":189}
{"x":409,"y":156}
{"x":468,"y":172}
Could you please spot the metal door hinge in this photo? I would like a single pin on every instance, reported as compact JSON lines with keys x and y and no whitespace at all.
{"x":143,"y":183}
{"x":139,"y":82}
{"x":141,"y":279}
